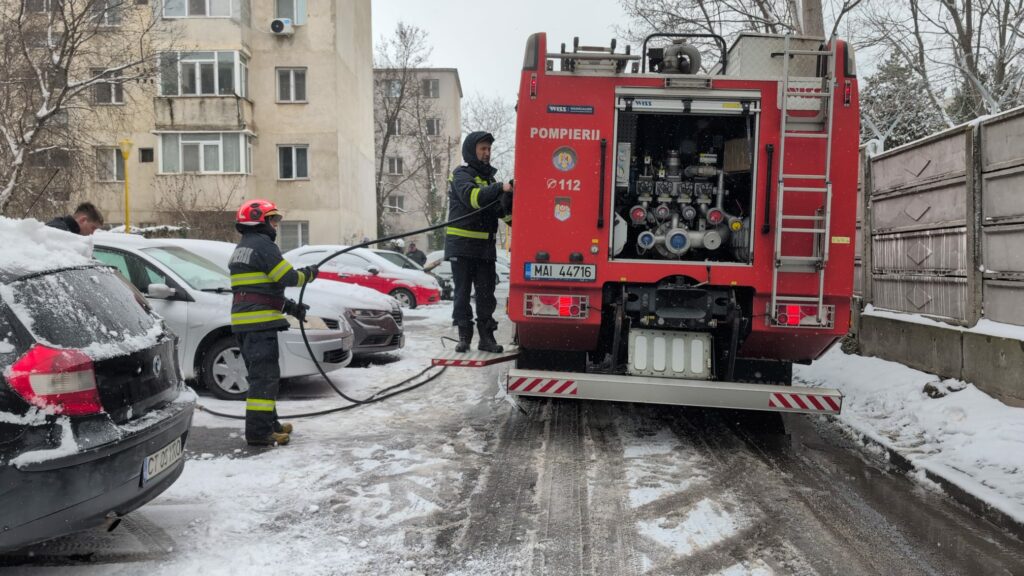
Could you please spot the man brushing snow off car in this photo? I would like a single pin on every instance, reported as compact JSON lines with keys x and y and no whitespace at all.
{"x":259,"y":275}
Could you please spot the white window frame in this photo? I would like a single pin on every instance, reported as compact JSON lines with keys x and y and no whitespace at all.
{"x":395,"y":166}
{"x":301,"y":226}
{"x":298,"y":14}
{"x":116,"y":157}
{"x":116,"y":89}
{"x":244,"y":161}
{"x":291,"y":70}
{"x":395,"y":127}
{"x":395,"y":204}
{"x":295,"y":163}
{"x":437,"y":127}
{"x":430,"y":84}
{"x":109,"y":16}
{"x":185,"y":61}
{"x":234,"y":7}
{"x":393,"y":89}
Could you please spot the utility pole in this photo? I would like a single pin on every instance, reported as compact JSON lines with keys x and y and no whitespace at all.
{"x":812,"y":18}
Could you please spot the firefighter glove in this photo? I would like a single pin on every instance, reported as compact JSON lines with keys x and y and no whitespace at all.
{"x":293,"y":308}
{"x":310,"y":272}
{"x":506,"y":202}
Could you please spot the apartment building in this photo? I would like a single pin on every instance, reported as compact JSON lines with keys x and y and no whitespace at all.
{"x":243,"y":109}
{"x":427,"y":129}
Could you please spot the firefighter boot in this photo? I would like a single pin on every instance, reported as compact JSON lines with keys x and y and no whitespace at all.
{"x":487,"y":341}
{"x":272,"y":439}
{"x":283,"y":427}
{"x":465,"y":338}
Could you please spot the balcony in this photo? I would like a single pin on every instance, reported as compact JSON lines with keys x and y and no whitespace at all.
{"x":203,"y":113}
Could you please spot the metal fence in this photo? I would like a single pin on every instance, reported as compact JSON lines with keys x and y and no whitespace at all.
{"x":942,"y":224}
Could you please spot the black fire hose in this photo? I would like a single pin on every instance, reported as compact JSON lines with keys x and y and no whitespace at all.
{"x":390,"y":391}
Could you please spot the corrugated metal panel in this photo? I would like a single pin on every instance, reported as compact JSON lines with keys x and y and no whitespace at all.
{"x":751,"y":57}
{"x":931,"y":159}
{"x":1003,"y":195}
{"x":1003,"y":249}
{"x":1001,"y":142}
{"x":944,"y":296}
{"x":1003,"y":299}
{"x":858,"y":245}
{"x":942,"y":251}
{"x":858,"y":277}
{"x":938,"y":205}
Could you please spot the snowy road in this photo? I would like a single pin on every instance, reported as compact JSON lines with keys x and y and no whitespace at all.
{"x":451,"y":479}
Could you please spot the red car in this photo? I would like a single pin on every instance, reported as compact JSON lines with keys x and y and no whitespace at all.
{"x":361,"y":266}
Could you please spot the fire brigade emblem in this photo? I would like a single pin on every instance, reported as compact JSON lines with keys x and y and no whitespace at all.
{"x":564,"y":159}
{"x":562,"y":208}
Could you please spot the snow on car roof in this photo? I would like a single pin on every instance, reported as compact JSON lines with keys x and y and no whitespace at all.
{"x":31,"y":247}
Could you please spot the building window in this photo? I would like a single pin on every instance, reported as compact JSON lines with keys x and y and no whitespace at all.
{"x":394,"y":88}
{"x":437,"y":166}
{"x":107,"y":92}
{"x":394,"y":126}
{"x":294,"y":234}
{"x":41,"y":5}
{"x":198,"y":8}
{"x":204,"y":153}
{"x":291,"y":85}
{"x":395,"y":165}
{"x":203,"y":74}
{"x":109,"y":165}
{"x":431,"y":88}
{"x":293,"y":162}
{"x":433,"y":127}
{"x":295,"y":10}
{"x":395,"y":203}
{"x":145,"y":155}
{"x":108,"y":12}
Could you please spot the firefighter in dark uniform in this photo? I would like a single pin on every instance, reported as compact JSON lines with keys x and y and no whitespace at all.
{"x":259,"y":276}
{"x":469,"y":243}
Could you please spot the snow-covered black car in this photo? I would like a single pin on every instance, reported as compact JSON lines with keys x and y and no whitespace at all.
{"x":94,"y":414}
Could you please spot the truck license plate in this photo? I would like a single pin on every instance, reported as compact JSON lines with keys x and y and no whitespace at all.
{"x":568,"y":272}
{"x":161,"y":460}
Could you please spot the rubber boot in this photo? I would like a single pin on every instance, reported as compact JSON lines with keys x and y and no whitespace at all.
{"x":273,"y":439}
{"x":283,"y":427}
{"x":487,"y":341}
{"x":465,"y":338}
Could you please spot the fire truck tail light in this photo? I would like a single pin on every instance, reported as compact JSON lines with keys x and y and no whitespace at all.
{"x":795,"y":315}
{"x":556,"y":306}
{"x":533,"y":86}
{"x":848,"y":93}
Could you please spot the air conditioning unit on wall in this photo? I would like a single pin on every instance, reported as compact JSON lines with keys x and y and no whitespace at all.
{"x":282,"y":27}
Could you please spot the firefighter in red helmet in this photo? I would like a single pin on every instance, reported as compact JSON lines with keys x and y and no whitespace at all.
{"x":259,"y":275}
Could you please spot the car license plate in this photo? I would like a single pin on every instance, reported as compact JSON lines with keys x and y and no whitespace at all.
{"x":568,"y":272}
{"x":161,"y":460}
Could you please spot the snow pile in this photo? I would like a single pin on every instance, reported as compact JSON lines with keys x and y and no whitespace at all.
{"x":966,"y":437}
{"x":30,"y":246}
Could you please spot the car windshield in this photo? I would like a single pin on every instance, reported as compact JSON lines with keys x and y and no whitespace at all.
{"x":80,"y":308}
{"x":399,"y":260}
{"x":196,"y":271}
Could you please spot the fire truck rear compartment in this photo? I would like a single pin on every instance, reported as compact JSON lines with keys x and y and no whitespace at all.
{"x":684,"y":187}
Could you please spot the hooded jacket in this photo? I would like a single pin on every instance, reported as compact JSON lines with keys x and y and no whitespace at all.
{"x":471,"y":187}
{"x":66,"y":223}
{"x":259,"y":275}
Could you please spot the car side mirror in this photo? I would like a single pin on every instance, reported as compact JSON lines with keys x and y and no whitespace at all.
{"x":161,"y":292}
{"x":373,"y":270}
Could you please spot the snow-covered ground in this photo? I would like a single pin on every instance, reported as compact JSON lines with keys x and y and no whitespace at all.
{"x":966,"y":437}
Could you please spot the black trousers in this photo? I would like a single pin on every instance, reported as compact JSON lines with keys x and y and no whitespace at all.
{"x":260,"y":352}
{"x":469,"y":273}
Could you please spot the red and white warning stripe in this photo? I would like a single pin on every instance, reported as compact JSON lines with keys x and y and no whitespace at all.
{"x":551,"y":386}
{"x":459,"y":362}
{"x":805,"y":402}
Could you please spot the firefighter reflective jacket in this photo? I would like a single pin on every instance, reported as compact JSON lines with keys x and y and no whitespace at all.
{"x":470,"y":188}
{"x":259,"y":275}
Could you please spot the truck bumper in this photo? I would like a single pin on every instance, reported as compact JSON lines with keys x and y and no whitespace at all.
{"x":675,"y":391}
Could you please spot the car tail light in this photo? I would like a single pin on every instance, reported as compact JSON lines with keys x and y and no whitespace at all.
{"x":61,"y":379}
{"x":795,"y":315}
{"x":557,"y":306}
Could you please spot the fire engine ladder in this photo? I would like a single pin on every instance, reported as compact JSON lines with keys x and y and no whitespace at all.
{"x":789,"y":224}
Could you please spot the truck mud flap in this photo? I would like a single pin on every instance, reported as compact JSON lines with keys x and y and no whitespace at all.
{"x":675,"y":391}
{"x":475,"y":358}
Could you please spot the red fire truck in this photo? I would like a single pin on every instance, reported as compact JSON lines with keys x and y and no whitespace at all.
{"x":682,"y":238}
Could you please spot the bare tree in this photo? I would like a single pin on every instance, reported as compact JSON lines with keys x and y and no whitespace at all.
{"x":204,"y":206}
{"x":54,"y":54}
{"x":434,"y":152}
{"x":396,"y":91}
{"x":496,"y":115}
{"x":969,"y":51}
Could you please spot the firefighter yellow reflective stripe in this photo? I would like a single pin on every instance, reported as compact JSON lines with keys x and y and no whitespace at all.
{"x":474,"y":197}
{"x":302,"y":277}
{"x":249,"y":279}
{"x":259,"y":405}
{"x":507,"y":219}
{"x":453,"y":231}
{"x":255,"y":317}
{"x":282,"y":268}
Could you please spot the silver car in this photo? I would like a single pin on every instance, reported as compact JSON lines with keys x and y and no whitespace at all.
{"x":193,"y":295}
